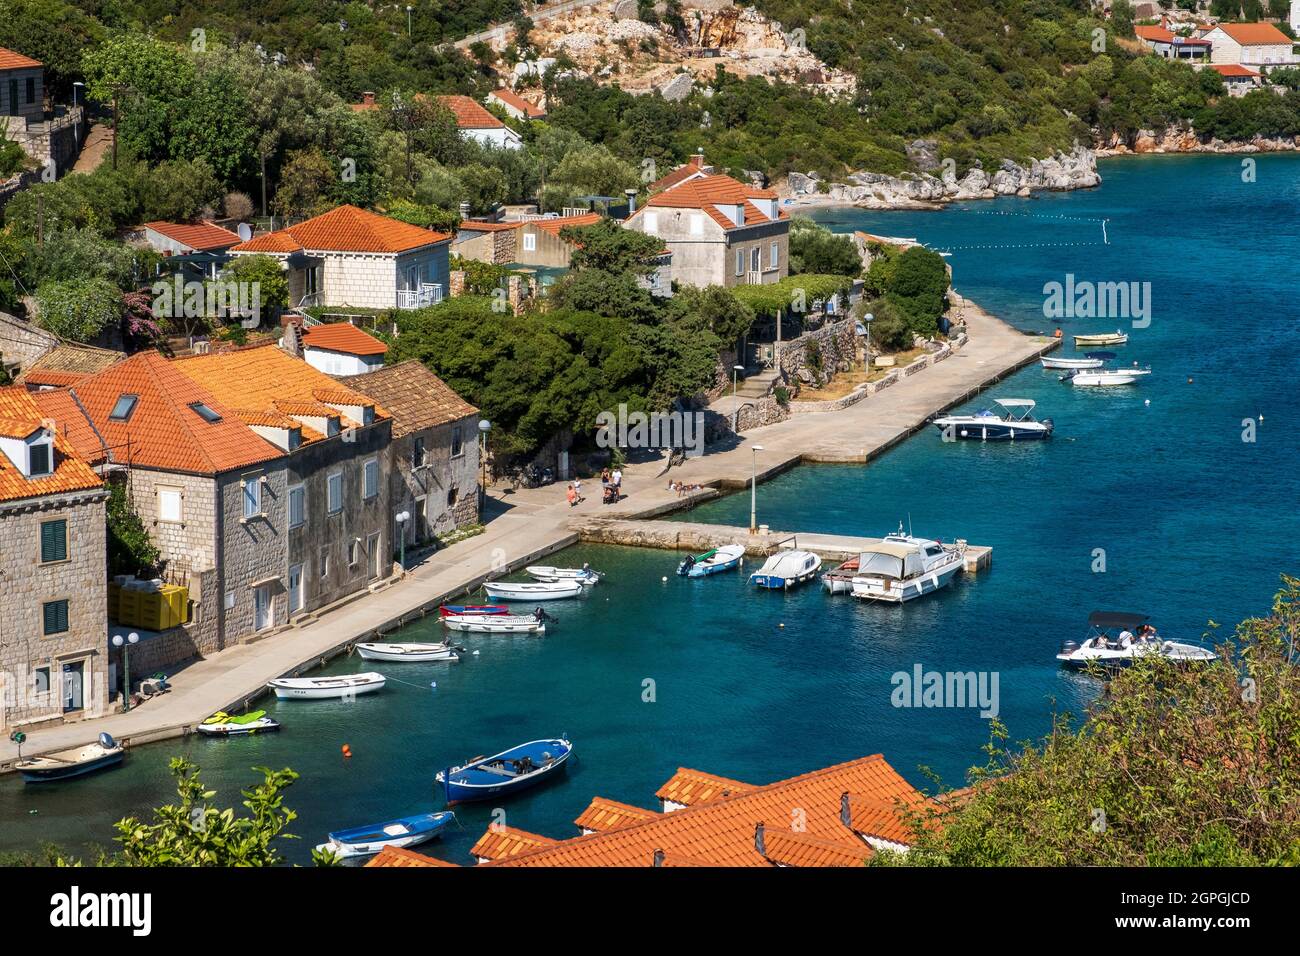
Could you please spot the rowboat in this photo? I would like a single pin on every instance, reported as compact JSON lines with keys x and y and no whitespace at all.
{"x":533,"y":590}
{"x":413,"y":653}
{"x":507,"y":772}
{"x":451,"y":610}
{"x":77,"y":762}
{"x":222,"y":724}
{"x":1090,"y":360}
{"x":498,"y":623}
{"x":322,"y":688}
{"x":786,"y":569}
{"x":901,"y":568}
{"x":583,"y":575}
{"x":1105,"y":376}
{"x":1105,"y":648}
{"x":712,"y":562}
{"x":839,"y":580}
{"x":404,"y":831}
{"x":1016,"y":421}
{"x":1103,"y":338}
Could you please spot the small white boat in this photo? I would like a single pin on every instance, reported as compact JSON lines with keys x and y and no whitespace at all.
{"x":404,"y":831}
{"x":787,"y":569}
{"x":1104,"y":338}
{"x":77,"y":762}
{"x":414,"y":653}
{"x":1105,"y":376}
{"x":498,"y":623}
{"x":1016,"y":421}
{"x":712,"y":562}
{"x":901,"y":568}
{"x":1089,"y":360}
{"x":583,"y":575}
{"x":1107,"y":649}
{"x":222,"y":724}
{"x":533,"y":590}
{"x":839,"y":580}
{"x":322,"y":688}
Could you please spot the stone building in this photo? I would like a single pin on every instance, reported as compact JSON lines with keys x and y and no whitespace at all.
{"x":719,"y":231}
{"x":434,"y":456}
{"x":46,"y":136}
{"x":53,"y":631}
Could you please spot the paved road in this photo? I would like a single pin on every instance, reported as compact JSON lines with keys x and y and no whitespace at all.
{"x":524,"y":525}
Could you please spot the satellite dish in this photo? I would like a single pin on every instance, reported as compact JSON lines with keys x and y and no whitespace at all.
{"x":245,"y":231}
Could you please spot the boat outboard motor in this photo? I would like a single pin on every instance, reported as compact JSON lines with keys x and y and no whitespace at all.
{"x":1069,"y":647}
{"x":107,"y":742}
{"x":688,"y":562}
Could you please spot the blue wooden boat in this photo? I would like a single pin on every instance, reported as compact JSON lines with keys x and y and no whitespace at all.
{"x":77,"y":762}
{"x":507,"y":772}
{"x":404,"y":831}
{"x":711,"y":562}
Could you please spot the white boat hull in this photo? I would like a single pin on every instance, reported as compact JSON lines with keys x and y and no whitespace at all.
{"x":551,"y":575}
{"x":1070,"y":362}
{"x":326,"y":688}
{"x":536,"y":591}
{"x":1109,"y":338}
{"x":500,"y":625}
{"x":1176,"y":651}
{"x":410,"y":653}
{"x":894,"y":591}
{"x":1104,"y":379}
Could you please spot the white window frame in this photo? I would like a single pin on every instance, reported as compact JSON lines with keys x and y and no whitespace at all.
{"x":530,"y":242}
{"x":369,"y":489}
{"x":651,"y":221}
{"x":324,"y":562}
{"x":176,"y":494}
{"x":254,"y":500}
{"x":301,"y":491}
{"x":740,"y":262}
{"x":756,"y":259}
{"x":354,"y":552}
{"x":329,"y":492}
{"x":774,"y":255}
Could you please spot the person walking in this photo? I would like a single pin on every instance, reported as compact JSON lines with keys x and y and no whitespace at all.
{"x":617,"y":477}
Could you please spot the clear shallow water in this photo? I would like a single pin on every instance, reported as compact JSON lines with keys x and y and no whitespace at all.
{"x":1195,"y":523}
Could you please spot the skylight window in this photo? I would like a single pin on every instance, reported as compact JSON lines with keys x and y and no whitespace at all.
{"x":204,"y":412}
{"x":122,"y":410}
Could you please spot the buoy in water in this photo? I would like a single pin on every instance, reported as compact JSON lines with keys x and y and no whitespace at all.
{"x":1189,"y":380}
{"x":433,"y":684}
{"x":347,"y":751}
{"x":1147,"y":402}
{"x":476,"y":653}
{"x":780,"y":625}
{"x":665,"y":580}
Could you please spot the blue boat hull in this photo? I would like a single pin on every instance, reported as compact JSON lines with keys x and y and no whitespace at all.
{"x":700,"y":571}
{"x":373,"y":838}
{"x":996,"y":430}
{"x":474,"y":782}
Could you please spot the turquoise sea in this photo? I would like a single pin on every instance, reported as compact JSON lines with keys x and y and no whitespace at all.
{"x":647,"y":675}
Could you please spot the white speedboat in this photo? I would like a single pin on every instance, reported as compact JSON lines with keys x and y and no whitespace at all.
{"x":533,"y":590}
{"x":1105,"y":376}
{"x":323,"y":688}
{"x":1089,"y":360}
{"x":1104,"y":338}
{"x":1015,"y":421}
{"x":498,"y":623}
{"x":583,"y":575}
{"x":1117,"y":638}
{"x":901,"y":568}
{"x":786,"y":569}
{"x":413,"y":653}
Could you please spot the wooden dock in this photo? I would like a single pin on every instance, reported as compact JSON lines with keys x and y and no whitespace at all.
{"x":697,"y":537}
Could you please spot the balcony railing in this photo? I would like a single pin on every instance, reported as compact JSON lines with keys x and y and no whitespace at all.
{"x":753,"y":278}
{"x":429,"y":293}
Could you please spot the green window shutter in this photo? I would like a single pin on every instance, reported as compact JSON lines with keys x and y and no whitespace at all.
{"x":56,"y":617}
{"x":54,"y":541}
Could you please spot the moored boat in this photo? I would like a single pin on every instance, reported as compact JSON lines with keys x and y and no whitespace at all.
{"x":451,"y":610}
{"x":714,"y":561}
{"x":533,"y":590}
{"x":76,"y":762}
{"x":411,"y":653}
{"x":1102,"y":338}
{"x":1016,"y":421}
{"x":1089,"y":360}
{"x":583,"y":575}
{"x":1118,"y":638}
{"x":1105,"y":376}
{"x":404,"y":831}
{"x":510,"y":771}
{"x":786,"y":569}
{"x":839,"y":580}
{"x":499,"y":623}
{"x":324,"y":688}
{"x":222,"y":724}
{"x":901,"y":568}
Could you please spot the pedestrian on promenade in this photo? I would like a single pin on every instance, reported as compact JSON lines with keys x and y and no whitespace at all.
{"x":617,"y":477}
{"x":571,"y":496}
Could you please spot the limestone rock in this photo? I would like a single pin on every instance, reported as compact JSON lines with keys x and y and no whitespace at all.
{"x":678,"y":88}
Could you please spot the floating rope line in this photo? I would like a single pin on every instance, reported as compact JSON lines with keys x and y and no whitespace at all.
{"x":1019,"y":245}
{"x":1105,"y":234}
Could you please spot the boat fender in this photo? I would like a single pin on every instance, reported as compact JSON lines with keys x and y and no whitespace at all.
{"x":107,"y":742}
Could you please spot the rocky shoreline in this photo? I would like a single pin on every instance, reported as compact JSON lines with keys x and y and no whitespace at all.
{"x":1178,"y":139}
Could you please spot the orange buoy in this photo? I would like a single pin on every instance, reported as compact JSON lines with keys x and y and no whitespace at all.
{"x":347,"y":751}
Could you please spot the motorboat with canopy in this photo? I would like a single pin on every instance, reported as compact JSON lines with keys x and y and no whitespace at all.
{"x":1016,"y":420}
{"x":1118,"y":638}
{"x":901,"y":568}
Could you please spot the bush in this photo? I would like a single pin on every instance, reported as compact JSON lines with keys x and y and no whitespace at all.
{"x":78,"y":309}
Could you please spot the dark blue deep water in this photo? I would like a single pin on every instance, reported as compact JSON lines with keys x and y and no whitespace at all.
{"x":1196,"y":525}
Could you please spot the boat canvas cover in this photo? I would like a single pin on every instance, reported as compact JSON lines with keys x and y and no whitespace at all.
{"x":1116,"y":619}
{"x":890,"y":558}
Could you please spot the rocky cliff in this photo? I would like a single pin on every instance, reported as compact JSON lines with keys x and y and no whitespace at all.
{"x":1183,"y":139}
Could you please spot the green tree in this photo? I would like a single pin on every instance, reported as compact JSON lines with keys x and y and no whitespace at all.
{"x":130,"y":549}
{"x":78,"y":309}
{"x":305,"y":185}
{"x":608,"y":246}
{"x":814,"y":248}
{"x":266,"y":273}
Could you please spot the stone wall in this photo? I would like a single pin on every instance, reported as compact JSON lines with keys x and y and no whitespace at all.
{"x":191,"y":542}
{"x":28,"y":585}
{"x":22,"y":343}
{"x":449,"y":486}
{"x":837,"y":341}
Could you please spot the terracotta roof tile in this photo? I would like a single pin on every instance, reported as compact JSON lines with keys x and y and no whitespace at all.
{"x":503,"y":842}
{"x":693,"y":167}
{"x":9,"y":60}
{"x":395,"y":856}
{"x":604,"y":814}
{"x":21,"y":416}
{"x":553,"y":226}
{"x":66,"y":359}
{"x":689,"y":787}
{"x":1232,"y":69}
{"x":469,"y":113}
{"x":789,"y":848}
{"x":343,"y":337}
{"x":415,"y":397}
{"x":510,"y":97}
{"x":163,"y":431}
{"x":203,"y":236}
{"x":1256,"y":34}
{"x":707,"y":193}
{"x":345,"y":229}
{"x":50,"y":377}
{"x":1154,"y":33}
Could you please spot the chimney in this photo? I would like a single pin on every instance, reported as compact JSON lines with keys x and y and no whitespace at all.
{"x":698,"y":159}
{"x":368,"y":98}
{"x":464,"y":210}
{"x":631,"y":200}
{"x":758,"y":840}
{"x":659,"y":858}
{"x":846,"y":817}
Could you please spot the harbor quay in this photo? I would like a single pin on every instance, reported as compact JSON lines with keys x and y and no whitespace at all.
{"x":524,"y":525}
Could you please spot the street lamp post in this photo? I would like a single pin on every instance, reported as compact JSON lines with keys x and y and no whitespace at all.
{"x":735,"y":370}
{"x":866,"y":323}
{"x":753,"y":493}
{"x":409,"y":8}
{"x":125,"y":645}
{"x":484,"y":426}
{"x":402,"y":517}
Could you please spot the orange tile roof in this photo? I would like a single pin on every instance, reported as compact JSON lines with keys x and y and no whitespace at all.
{"x":163,"y":432}
{"x":469,"y":113}
{"x":56,"y":378}
{"x":603,"y":814}
{"x":694,"y":166}
{"x":401,"y":857}
{"x":343,"y":337}
{"x":887,"y":820}
{"x":721,"y":831}
{"x":789,"y":848}
{"x":345,"y":229}
{"x":264,"y":377}
{"x":203,"y":236}
{"x":1154,"y":33}
{"x":68,"y":362}
{"x":708,"y":192}
{"x":1256,"y":34}
{"x":20,"y":416}
{"x":531,"y":110}
{"x":478,"y":225}
{"x":553,"y":226}
{"x":415,"y":397}
{"x":503,"y":842}
{"x":9,"y":60}
{"x":689,"y":787}
{"x":1232,"y":69}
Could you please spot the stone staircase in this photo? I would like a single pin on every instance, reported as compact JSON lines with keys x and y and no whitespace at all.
{"x":759,"y":385}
